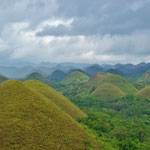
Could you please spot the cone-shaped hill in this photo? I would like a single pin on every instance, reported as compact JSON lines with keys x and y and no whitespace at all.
{"x":57,"y":75}
{"x":56,"y":97}
{"x":75,"y":77}
{"x":145,"y":93}
{"x":101,"y":78}
{"x":3,"y":78}
{"x":37,"y":76}
{"x":30,"y":121}
{"x":108,"y":91}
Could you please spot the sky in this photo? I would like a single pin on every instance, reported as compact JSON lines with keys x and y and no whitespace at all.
{"x":85,"y":31}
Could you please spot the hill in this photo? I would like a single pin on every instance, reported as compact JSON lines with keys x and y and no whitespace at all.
{"x":118,"y":81}
{"x":75,"y":77}
{"x":145,"y":93}
{"x":28,"y":120}
{"x":108,"y":91}
{"x":56,"y":97}
{"x":3,"y":78}
{"x":145,"y":79}
{"x":57,"y":75}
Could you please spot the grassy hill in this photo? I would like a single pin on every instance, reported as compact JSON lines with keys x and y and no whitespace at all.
{"x":30,"y":121}
{"x":118,"y":81}
{"x":3,"y":78}
{"x":145,"y":79}
{"x":56,"y":97}
{"x":108,"y":91}
{"x":37,"y":76}
{"x":75,"y":77}
{"x":145,"y":93}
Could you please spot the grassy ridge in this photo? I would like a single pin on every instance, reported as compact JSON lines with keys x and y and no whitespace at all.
{"x":56,"y":97}
{"x":30,"y":121}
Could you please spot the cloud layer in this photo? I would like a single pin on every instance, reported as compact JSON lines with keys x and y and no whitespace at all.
{"x":95,"y":31}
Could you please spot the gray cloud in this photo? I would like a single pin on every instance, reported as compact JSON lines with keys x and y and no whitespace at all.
{"x":95,"y":31}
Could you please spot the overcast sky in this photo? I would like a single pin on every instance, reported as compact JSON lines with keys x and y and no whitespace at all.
{"x":91,"y":31}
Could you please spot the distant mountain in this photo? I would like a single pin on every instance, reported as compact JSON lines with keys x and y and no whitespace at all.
{"x":93,"y":69}
{"x":145,"y":93}
{"x":3,"y":78}
{"x":115,"y":71}
{"x":57,"y":75}
{"x":31,"y":121}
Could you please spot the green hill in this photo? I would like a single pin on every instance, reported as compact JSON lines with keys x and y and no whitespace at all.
{"x":56,"y":97}
{"x":108,"y":91}
{"x":37,"y":76}
{"x":118,"y":81}
{"x":145,"y":93}
{"x":30,"y":121}
{"x":3,"y":78}
{"x":75,"y":77}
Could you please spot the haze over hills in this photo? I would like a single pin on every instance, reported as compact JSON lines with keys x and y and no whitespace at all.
{"x":3,"y":78}
{"x":31,"y":121}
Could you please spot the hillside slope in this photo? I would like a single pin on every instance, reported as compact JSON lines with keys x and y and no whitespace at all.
{"x":57,"y":75}
{"x":101,"y":78}
{"x":75,"y":77}
{"x":30,"y":121}
{"x":108,"y":91}
{"x":56,"y":97}
{"x":145,"y":93}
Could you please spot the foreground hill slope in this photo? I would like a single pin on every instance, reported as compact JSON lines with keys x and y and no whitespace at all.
{"x":3,"y":78}
{"x":145,"y":93}
{"x":56,"y":97}
{"x":101,"y":78}
{"x":108,"y":91}
{"x":75,"y":77}
{"x":30,"y":121}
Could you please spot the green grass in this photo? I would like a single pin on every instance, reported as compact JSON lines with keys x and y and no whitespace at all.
{"x":108,"y":91}
{"x":145,"y":93}
{"x":30,"y":121}
{"x":75,"y":77}
{"x":56,"y":97}
{"x":101,"y":78}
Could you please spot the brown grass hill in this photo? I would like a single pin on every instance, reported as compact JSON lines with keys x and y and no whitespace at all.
{"x":145,"y":93}
{"x":118,"y":81}
{"x":3,"y":78}
{"x":108,"y":91}
{"x":75,"y":78}
{"x":30,"y":121}
{"x":61,"y":101}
